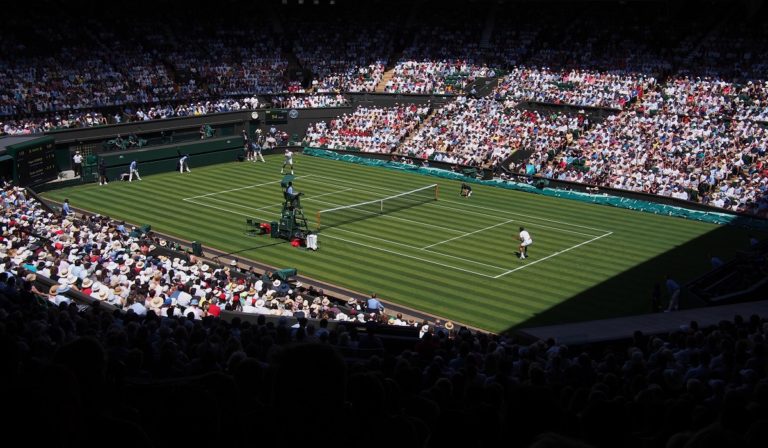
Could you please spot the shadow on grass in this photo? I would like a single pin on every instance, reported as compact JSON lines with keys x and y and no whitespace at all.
{"x":629,"y":293}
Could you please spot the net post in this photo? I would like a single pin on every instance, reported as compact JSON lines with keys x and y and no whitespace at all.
{"x":437,"y":192}
{"x":381,"y":206}
{"x":317,"y":220}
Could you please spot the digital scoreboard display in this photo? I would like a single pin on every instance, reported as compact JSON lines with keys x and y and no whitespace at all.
{"x":275,"y":116}
{"x":36,"y":164}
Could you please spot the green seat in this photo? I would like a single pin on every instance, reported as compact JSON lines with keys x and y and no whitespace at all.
{"x":285,"y":274}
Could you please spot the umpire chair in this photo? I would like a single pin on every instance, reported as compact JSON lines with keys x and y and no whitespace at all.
{"x":293,"y":223}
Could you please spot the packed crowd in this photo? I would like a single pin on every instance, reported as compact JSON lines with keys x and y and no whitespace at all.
{"x":709,"y":103}
{"x":706,"y":97}
{"x":573,"y":87}
{"x":717,"y":162}
{"x":343,"y":55}
{"x":435,"y":77}
{"x":132,"y":270}
{"x":482,"y":131}
{"x":160,"y":112}
{"x":109,"y":67}
{"x":443,"y":57}
{"x":593,"y":60}
{"x":52,"y":122}
{"x":82,"y":119}
{"x":615,"y":39}
{"x":697,"y":386}
{"x":369,"y":129}
{"x":309,"y":101}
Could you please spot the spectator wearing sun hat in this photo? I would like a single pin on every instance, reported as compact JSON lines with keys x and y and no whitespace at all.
{"x":156,"y":304}
{"x":56,"y":294}
{"x":86,"y":286}
{"x":31,"y":279}
{"x":423,"y":330}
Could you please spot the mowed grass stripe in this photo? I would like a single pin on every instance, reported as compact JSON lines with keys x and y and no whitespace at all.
{"x":441,"y":277}
{"x":428,"y":283}
{"x":190,"y":221}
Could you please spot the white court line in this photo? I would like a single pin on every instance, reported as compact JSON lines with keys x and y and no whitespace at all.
{"x":309,"y":198}
{"x":361,"y":244}
{"x":477,"y":206}
{"x":399,"y":219}
{"x":553,"y":255}
{"x":467,"y":234}
{"x":339,"y":229}
{"x":405,"y":255}
{"x":529,"y":217}
{"x":408,"y":256}
{"x":247,"y":207}
{"x":521,"y":221}
{"x":243,"y":188}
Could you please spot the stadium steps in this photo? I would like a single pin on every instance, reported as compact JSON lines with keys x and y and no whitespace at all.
{"x":407,"y":141}
{"x":389,"y":74}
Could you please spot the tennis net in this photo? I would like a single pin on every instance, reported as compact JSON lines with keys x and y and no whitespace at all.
{"x":349,"y":213}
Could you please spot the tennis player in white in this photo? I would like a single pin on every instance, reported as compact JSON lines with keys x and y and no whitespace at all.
{"x":288,"y":160}
{"x":525,"y":241}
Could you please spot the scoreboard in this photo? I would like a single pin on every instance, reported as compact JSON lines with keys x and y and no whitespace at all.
{"x":276,"y":116}
{"x":36,"y":164}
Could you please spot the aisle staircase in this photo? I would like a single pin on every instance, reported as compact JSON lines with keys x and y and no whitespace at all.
{"x":389,"y":74}
{"x":402,"y":147}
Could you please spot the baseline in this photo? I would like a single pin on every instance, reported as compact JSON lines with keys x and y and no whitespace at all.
{"x":243,"y":188}
{"x":552,"y":255}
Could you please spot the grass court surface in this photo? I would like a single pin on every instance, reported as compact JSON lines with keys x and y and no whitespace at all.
{"x":454,"y":258}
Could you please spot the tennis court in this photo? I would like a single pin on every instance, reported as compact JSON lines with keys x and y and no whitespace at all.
{"x":453,"y":258}
{"x":449,"y":244}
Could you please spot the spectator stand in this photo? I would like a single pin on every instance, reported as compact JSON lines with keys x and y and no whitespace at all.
{"x":341,"y":297}
{"x":743,"y":279}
